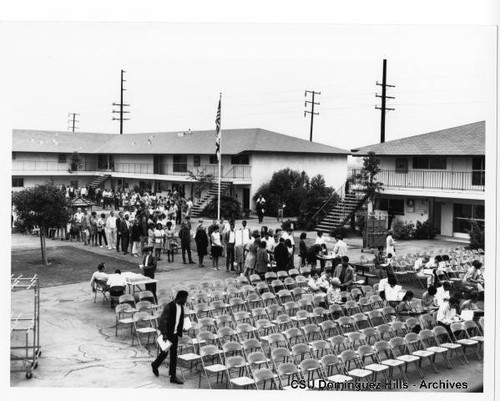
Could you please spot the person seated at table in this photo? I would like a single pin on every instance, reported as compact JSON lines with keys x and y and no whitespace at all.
{"x":116,"y":283}
{"x":471,"y":303}
{"x":379,"y":261}
{"x":439,"y":266}
{"x":473,"y":279}
{"x":443,"y":292}
{"x":345,"y":273}
{"x":100,"y":276}
{"x":448,"y":313}
{"x":316,"y":283}
{"x":303,"y":249}
{"x":312,"y":255}
{"x":392,"y":290}
{"x":405,"y":308}
{"x":428,"y":298}
{"x":333,"y":294}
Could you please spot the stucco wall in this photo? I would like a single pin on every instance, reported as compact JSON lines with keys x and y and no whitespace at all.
{"x":452,"y":163}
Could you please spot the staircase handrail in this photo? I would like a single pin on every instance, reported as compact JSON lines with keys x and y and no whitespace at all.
{"x":340,"y":192}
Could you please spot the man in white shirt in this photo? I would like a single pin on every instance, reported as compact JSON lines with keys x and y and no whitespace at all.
{"x":116,"y":283}
{"x":78,"y":217}
{"x":443,"y":293}
{"x":421,"y":271}
{"x":447,"y":313}
{"x":340,"y":248}
{"x":230,"y":242}
{"x":111,"y":230}
{"x":99,"y":275}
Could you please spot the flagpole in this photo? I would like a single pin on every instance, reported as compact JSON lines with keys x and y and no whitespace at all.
{"x":220,"y":158}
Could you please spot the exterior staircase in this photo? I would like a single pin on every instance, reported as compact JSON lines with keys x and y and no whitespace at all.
{"x":209,"y":195}
{"x":101,"y":179}
{"x":338,"y":215}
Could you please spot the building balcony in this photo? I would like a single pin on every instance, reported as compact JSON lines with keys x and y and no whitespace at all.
{"x":436,"y":180}
{"x":167,"y":170}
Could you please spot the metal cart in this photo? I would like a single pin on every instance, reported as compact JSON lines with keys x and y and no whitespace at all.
{"x":25,"y":327}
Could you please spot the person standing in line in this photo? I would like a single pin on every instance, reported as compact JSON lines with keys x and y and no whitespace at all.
{"x":251,"y":257}
{"x":201,"y":239}
{"x":171,"y":325}
{"x":281,"y":255}
{"x":216,"y":247}
{"x":149,"y":268}
{"x":260,"y":206}
{"x":93,"y":229}
{"x":125,"y":234}
{"x":262,"y":260}
{"x":111,"y":229}
{"x":185,"y":237}
{"x":389,"y":244}
{"x":169,"y":241}
{"x":119,"y":229}
{"x":135,"y":237}
{"x":230,"y":241}
{"x":158,"y":240}
{"x":101,"y":230}
{"x":303,"y":249}
{"x":85,"y":227}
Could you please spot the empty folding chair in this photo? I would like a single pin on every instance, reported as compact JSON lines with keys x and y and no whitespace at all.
{"x":254,"y":279}
{"x":481,"y":324}
{"x":336,"y":311}
{"x":354,"y":366}
{"x":294,"y":336}
{"x":339,"y":343}
{"x":312,"y":332}
{"x":262,"y":288}
{"x":364,"y":304}
{"x":371,"y":335}
{"x":205,"y":338}
{"x":356,"y":339}
{"x":186,"y":354}
{"x":287,"y":373}
{"x":345,"y":296}
{"x":329,"y":329}
{"x":242,"y":317}
{"x":293,"y":273}
{"x":206,"y":324}
{"x":302,"y":282}
{"x":399,"y":328}
{"x":282,"y":274}
{"x":402,"y":353}
{"x":127,"y":299}
{"x":143,"y":325}
{"x":241,"y":280}
{"x":319,"y":300}
{"x":320,"y":314}
{"x":377,"y":302}
{"x":376,"y":318}
{"x":461,"y":336}
{"x":254,"y":301}
{"x":366,"y":352}
{"x":319,"y":348}
{"x":384,"y":331}
{"x":334,"y":370}
{"x":226,"y":334}
{"x":237,"y":305}
{"x":444,"y":340}
{"x":218,"y":308}
{"x":283,"y":322}
{"x":351,"y":307}
{"x":361,"y":320}
{"x":224,"y":321}
{"x":251,"y":345}
{"x":389,"y":314}
{"x":281,"y":355}
{"x":266,"y":380}
{"x":264,"y":328}
{"x":238,"y":373}
{"x":300,"y":352}
{"x":346,"y":324}
{"x":290,"y":283}
{"x":386,"y":356}
{"x":417,"y":348}
{"x":366,"y":288}
{"x":277,"y":340}
{"x":311,"y":370}
{"x":268,"y":298}
{"x":427,"y":321}
{"x":430,"y":343}
{"x":211,"y":364}
{"x":273,"y":311}
{"x":303,"y":317}
{"x":233,"y":348}
{"x":297,"y":293}
{"x":202,"y":310}
{"x":147,"y":296}
{"x":270,"y":276}
{"x":245,"y":331}
{"x":474,"y":332}
{"x":305,"y":271}
{"x":258,"y":360}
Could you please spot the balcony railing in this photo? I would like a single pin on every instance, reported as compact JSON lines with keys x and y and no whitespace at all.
{"x":431,"y":179}
{"x":228,"y":172}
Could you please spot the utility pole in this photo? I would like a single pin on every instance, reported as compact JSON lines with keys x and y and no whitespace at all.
{"x":312,"y":113}
{"x":72,"y":121}
{"x":121,"y":104}
{"x":384,"y":97}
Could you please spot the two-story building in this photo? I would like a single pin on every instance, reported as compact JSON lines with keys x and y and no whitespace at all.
{"x":438,"y":176}
{"x":163,"y":161}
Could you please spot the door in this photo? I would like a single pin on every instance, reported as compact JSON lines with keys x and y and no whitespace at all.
{"x":246,"y":198}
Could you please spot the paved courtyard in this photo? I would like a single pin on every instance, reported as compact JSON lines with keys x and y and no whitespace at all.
{"x":80,"y":349}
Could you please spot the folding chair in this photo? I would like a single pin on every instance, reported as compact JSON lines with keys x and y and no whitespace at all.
{"x":264,"y":328}
{"x":302,"y":282}
{"x":254,"y":301}
{"x":281,"y":355}
{"x":411,"y":323}
{"x":334,"y":370}
{"x":254,"y":279}
{"x":288,"y":372}
{"x":364,"y":304}
{"x":273,"y":311}
{"x":241,"y":280}
{"x":300,"y":352}
{"x":355,"y":339}
{"x":384,"y":330}
{"x":311,"y":332}
{"x":259,"y":313}
{"x":276,"y":340}
{"x":206,"y":324}
{"x":376,"y":301}
{"x":349,"y":357}
{"x":402,"y":353}
{"x":329,"y":329}
{"x":311,"y":370}
{"x":238,"y":373}
{"x":385,"y":356}
{"x":127,"y":299}
{"x":268,"y":298}
{"x":252,"y":345}
{"x":261,"y":288}
{"x":245,"y":331}
{"x":202,"y":310}
{"x":218,"y":308}
{"x":294,"y":336}
{"x":147,"y":296}
{"x":399,"y":328}
{"x":417,"y":348}
{"x":282,"y":274}
{"x":430,"y":343}
{"x":237,"y":305}
{"x":443,"y":339}
{"x":305,"y":302}
{"x":319,"y":300}
{"x":389,"y":314}
{"x":265,"y":378}
{"x":303,"y":317}
{"x":361,"y":321}
{"x":290,"y":283}
{"x":371,"y":335}
{"x":211,"y":364}
{"x":242,"y":317}
{"x":224,"y":321}
{"x":366,"y":288}
{"x":205,"y":338}
{"x":376,"y":318}
{"x":481,"y":324}
{"x":283,"y":322}
{"x":186,"y":354}
{"x":351,"y":307}
{"x":461,"y":336}
{"x":284,"y":296}
{"x":335,"y":311}
{"x":427,"y":321}
{"x":258,"y":360}
{"x":474,"y":332}
{"x":319,"y":348}
{"x":356,"y":293}
{"x":305,"y":271}
{"x":339,"y":343}
{"x":346,"y":324}
{"x":297,"y":293}
{"x":226,"y":334}
{"x":231,"y":282}
{"x":143,"y":325}
{"x":367,"y":351}
{"x":233,"y":348}
{"x":100,"y":288}
{"x":320,"y":314}
{"x":293,"y":273}
{"x":123,"y":313}
{"x":270,"y":276}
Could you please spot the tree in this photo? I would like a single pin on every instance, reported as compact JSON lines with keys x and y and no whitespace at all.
{"x":44,"y":206}
{"x":230,"y":208}
{"x":203,"y":181}
{"x":371,"y":167}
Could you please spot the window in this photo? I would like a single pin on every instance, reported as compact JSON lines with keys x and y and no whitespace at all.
{"x":17,"y":182}
{"x":196,"y":161}
{"x":401,"y":165}
{"x":61,"y":158}
{"x":241,"y":159}
{"x":463,"y":214}
{"x":73,"y":183}
{"x":396,"y":206}
{"x":478,"y":173}
{"x":14,"y":155}
{"x":213,"y":159}
{"x":429,"y":163}
{"x":180,"y":163}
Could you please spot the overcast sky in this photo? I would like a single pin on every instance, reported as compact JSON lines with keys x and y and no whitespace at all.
{"x":444,"y":77}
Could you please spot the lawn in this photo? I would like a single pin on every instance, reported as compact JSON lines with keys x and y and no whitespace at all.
{"x":68,"y":265}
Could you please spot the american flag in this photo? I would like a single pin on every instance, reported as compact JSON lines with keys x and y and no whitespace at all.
{"x":217,"y":130}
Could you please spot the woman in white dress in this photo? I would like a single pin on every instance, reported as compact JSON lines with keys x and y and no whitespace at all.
{"x":389,"y":244}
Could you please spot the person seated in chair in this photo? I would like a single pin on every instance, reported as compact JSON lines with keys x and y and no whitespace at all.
{"x":429,"y":301}
{"x":391,"y":291}
{"x":317,"y":284}
{"x":345,"y":273}
{"x":100,"y":276}
{"x":116,"y":283}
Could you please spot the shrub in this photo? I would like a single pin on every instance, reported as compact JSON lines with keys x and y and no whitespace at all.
{"x":476,"y":235}
{"x":339,"y":231}
{"x":403,"y":231}
{"x":425,"y":230}
{"x":230,"y":208}
{"x":288,"y":223}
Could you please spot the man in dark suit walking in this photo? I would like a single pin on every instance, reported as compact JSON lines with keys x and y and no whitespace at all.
{"x":149,"y":268}
{"x":171,"y":325}
{"x":120,"y":221}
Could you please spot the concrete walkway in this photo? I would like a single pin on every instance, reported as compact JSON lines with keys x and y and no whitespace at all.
{"x":80,"y":349}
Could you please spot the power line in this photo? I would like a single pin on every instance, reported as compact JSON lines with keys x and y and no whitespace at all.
{"x":72,"y":121}
{"x":312,"y":113}
{"x":122,"y":105}
{"x":384,"y":97}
